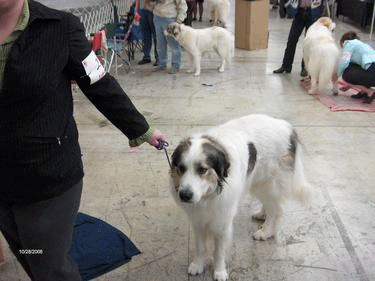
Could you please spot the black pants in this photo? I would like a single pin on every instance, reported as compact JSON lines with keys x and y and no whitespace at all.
{"x":356,"y":75}
{"x":189,"y":12}
{"x":40,"y":234}
{"x":301,"y":21}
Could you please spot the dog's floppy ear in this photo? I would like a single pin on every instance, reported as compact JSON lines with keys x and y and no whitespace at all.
{"x":180,"y":149}
{"x":169,"y":28}
{"x":176,"y":29}
{"x":217,"y":158}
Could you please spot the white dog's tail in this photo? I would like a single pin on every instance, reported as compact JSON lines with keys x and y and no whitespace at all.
{"x":330,"y":63}
{"x":301,"y":187}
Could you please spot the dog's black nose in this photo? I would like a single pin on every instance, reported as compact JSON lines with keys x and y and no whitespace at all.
{"x":186,"y":195}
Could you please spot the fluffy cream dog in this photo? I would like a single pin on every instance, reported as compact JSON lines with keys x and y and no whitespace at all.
{"x":198,"y":41}
{"x":321,"y":56}
{"x":211,"y":172}
{"x":219,"y":10}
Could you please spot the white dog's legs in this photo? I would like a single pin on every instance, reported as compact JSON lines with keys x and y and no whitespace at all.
{"x":314,"y":86}
{"x":269,"y":228}
{"x":190,"y":63}
{"x":261,"y":215}
{"x":221,"y":246}
{"x":197,"y":266}
{"x":197,"y":63}
{"x":223,"y":53}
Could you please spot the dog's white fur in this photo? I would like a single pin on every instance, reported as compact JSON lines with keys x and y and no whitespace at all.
{"x":211,"y":172}
{"x":321,"y":55}
{"x":219,"y":10}
{"x":198,"y":41}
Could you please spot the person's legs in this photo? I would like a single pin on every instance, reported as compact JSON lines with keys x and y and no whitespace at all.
{"x":189,"y":13}
{"x":9,"y":230}
{"x":200,"y":5}
{"x":161,"y":41}
{"x":176,"y":53}
{"x":295,"y":32}
{"x":195,"y":10}
{"x":153,"y":37}
{"x":356,"y":77}
{"x":147,"y":42}
{"x":44,"y":232}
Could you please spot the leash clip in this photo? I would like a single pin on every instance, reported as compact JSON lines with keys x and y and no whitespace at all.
{"x":163,"y":145}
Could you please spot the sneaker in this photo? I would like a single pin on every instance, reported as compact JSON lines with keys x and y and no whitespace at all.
{"x":369,"y":100}
{"x":159,"y":68}
{"x":173,"y":70}
{"x":144,"y":61}
{"x":282,"y":70}
{"x":360,"y":95}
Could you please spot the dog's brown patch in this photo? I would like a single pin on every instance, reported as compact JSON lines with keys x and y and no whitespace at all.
{"x":326,"y":21}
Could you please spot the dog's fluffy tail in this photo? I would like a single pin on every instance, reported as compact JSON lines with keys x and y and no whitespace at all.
{"x":301,"y":187}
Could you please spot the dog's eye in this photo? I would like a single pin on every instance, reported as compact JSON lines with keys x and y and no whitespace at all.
{"x":181,"y":169}
{"x":202,"y":170}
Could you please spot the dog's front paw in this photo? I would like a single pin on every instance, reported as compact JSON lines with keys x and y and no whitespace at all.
{"x":196,"y":268}
{"x":197,"y":73}
{"x":221,"y":69}
{"x":221,"y":275}
{"x":262,"y":235}
{"x":311,"y":92}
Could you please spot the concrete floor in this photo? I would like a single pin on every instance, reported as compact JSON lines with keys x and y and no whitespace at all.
{"x":331,"y":240}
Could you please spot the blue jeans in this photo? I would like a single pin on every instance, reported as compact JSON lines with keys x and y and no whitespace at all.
{"x":147,"y":22}
{"x":164,"y":41}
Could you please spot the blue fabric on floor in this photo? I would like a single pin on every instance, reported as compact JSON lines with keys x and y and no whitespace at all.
{"x":99,"y":247}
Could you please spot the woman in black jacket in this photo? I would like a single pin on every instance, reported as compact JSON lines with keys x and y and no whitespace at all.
{"x":41,"y":51}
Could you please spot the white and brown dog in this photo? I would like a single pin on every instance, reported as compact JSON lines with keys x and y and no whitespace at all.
{"x":321,"y":56}
{"x":198,"y":41}
{"x":211,"y":172}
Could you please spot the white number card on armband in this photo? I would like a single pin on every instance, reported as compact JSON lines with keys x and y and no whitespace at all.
{"x":93,"y":68}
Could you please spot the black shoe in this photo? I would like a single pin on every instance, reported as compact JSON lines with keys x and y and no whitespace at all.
{"x":144,"y":61}
{"x":156,"y":63}
{"x":359,"y":96}
{"x":369,"y":100}
{"x":304,"y":73}
{"x":282,"y":70}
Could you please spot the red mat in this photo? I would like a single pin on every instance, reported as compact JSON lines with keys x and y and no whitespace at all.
{"x":343,"y":101}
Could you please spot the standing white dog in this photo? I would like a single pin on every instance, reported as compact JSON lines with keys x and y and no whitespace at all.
{"x":198,"y":41}
{"x":321,"y":55}
{"x":219,"y":12}
{"x":211,"y":172}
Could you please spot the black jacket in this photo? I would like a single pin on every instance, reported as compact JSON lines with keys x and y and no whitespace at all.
{"x":39,"y":151}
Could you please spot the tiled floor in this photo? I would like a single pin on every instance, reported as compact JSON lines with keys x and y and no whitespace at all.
{"x":331,"y":240}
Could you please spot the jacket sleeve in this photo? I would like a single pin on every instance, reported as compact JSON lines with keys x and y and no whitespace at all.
{"x":345,"y":58}
{"x":181,"y":10}
{"x":101,"y":88}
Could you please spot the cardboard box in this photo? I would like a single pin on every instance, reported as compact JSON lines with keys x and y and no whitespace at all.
{"x":251,"y":24}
